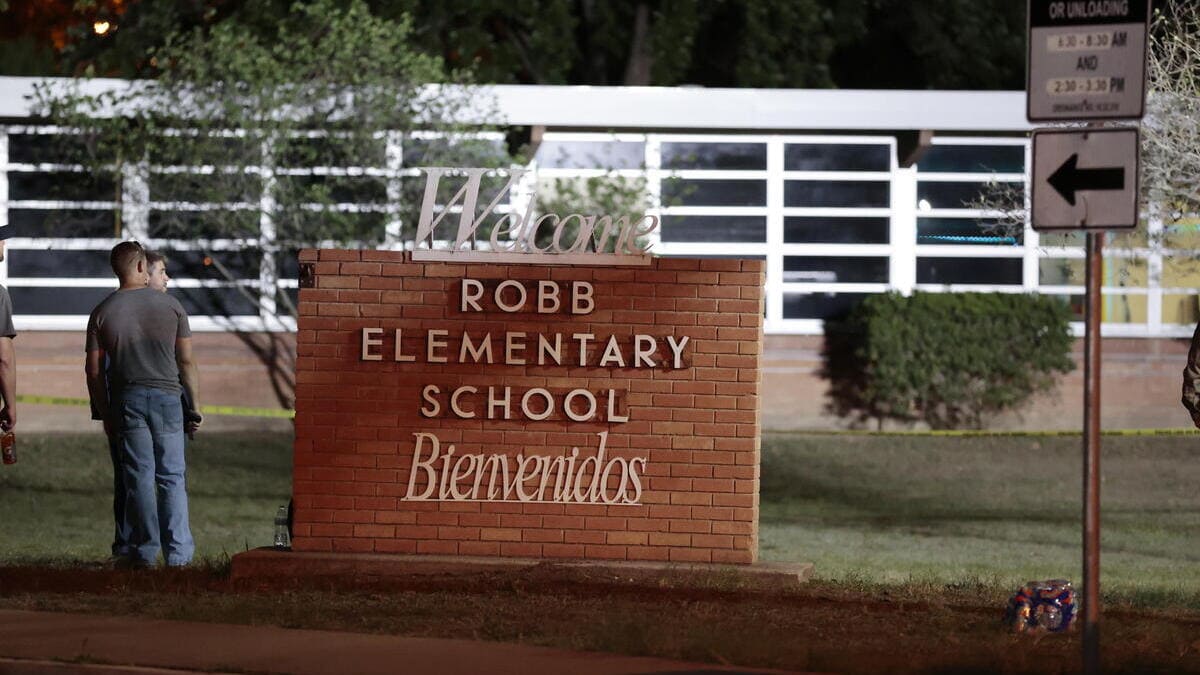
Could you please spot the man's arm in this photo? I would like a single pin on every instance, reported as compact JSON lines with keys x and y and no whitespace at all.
{"x":8,"y":383}
{"x":97,"y":383}
{"x":189,"y":376}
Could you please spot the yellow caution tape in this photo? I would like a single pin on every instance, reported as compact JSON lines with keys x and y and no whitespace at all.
{"x":972,"y":433}
{"x":209,"y":409}
{"x":282,"y":413}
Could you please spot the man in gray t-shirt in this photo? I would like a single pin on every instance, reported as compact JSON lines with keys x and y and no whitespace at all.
{"x":145,"y":338}
{"x":137,"y":330}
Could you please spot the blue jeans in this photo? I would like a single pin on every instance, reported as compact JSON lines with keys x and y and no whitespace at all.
{"x":120,"y":545}
{"x":150,"y":424}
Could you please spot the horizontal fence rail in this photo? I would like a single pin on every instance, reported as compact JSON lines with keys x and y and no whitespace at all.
{"x":833,"y":215}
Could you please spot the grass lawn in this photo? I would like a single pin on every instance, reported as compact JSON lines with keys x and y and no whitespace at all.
{"x":974,"y":512}
{"x":56,"y":500}
{"x":988,"y":511}
{"x":918,"y":542}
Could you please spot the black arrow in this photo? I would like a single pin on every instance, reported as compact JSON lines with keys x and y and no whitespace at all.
{"x":1069,"y":179}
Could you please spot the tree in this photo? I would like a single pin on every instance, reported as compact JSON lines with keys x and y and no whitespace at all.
{"x":1171,"y":133}
{"x":941,"y":44}
{"x":931,"y":44}
{"x":500,"y":41}
{"x":275,"y":138}
{"x":1170,"y":150}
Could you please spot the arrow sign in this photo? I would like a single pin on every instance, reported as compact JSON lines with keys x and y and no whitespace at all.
{"x":1069,"y":179}
{"x":1101,"y":163}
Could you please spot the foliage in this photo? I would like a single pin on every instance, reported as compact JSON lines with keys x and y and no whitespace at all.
{"x":1171,"y":133}
{"x":608,"y":194}
{"x":947,"y":359}
{"x":263,"y":132}
{"x":932,"y":44}
{"x":502,"y":41}
{"x":773,"y":43}
{"x":940,"y":44}
{"x":260,"y":138}
{"x":1170,"y":148}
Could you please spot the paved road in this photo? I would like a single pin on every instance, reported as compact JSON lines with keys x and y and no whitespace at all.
{"x":41,"y":643}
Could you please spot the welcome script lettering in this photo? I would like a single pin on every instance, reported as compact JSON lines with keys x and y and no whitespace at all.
{"x":439,"y":473}
{"x":569,"y":239}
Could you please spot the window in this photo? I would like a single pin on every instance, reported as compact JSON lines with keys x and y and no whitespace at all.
{"x":973,"y":159}
{"x":591,"y":155}
{"x":969,"y":271}
{"x":970,"y":231}
{"x":850,"y":230}
{"x":819,"y":305}
{"x":714,"y":228}
{"x":836,"y":157}
{"x":336,"y":189}
{"x":1060,"y":272}
{"x":1123,"y":308}
{"x":63,"y":223}
{"x":216,"y":301}
{"x":200,"y":189}
{"x":317,"y":151}
{"x":1177,"y":308}
{"x":56,"y":300}
{"x":45,"y":148}
{"x":680,"y":192}
{"x":728,"y":156}
{"x":70,"y":264}
{"x":190,"y":225}
{"x":949,"y":195}
{"x":848,"y":193}
{"x":213,"y":150}
{"x":241,"y":264}
{"x":61,"y":185}
{"x":1130,"y":272}
{"x":835,"y":269}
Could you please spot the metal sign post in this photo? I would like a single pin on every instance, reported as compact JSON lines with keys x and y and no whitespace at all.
{"x":1087,"y":61}
{"x":1091,"y":457}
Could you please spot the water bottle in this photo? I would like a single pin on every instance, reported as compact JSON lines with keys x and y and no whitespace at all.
{"x":283,"y":541}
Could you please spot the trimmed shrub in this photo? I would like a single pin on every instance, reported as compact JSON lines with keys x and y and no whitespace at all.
{"x":948,"y":359}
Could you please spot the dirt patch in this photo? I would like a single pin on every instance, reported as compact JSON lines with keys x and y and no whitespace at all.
{"x":818,"y":627}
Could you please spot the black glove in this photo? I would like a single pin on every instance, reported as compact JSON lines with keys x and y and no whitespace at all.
{"x":191,"y":420}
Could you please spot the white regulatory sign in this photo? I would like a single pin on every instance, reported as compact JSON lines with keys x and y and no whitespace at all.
{"x":1085,"y":179}
{"x":1087,"y":59}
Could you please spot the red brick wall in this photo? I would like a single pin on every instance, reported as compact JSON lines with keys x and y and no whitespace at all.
{"x":696,"y":426}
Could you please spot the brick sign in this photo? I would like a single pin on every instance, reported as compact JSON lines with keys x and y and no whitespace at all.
{"x":528,"y":410}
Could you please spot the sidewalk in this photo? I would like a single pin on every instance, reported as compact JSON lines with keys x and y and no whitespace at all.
{"x":38,"y":643}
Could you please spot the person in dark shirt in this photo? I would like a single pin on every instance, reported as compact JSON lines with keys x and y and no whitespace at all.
{"x":8,"y":358}
{"x":144,"y":337}
{"x":1191,"y":379}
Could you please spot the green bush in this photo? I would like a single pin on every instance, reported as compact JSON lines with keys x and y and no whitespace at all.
{"x":948,"y":359}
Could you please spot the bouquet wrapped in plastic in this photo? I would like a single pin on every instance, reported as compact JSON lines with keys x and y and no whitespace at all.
{"x":1043,"y":605}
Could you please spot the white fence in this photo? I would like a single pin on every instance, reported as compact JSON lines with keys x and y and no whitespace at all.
{"x":833,"y":215}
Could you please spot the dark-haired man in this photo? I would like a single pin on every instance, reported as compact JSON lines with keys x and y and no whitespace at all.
{"x":145,"y":337}
{"x":156,"y":263}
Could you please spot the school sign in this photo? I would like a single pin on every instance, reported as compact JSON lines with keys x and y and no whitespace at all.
{"x":607,"y":408}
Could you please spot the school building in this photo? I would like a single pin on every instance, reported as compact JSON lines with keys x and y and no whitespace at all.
{"x":842,"y":194}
